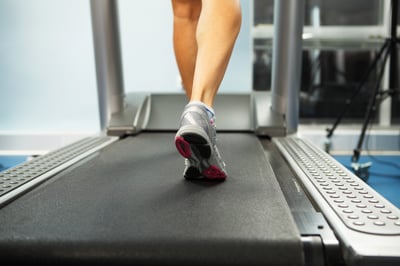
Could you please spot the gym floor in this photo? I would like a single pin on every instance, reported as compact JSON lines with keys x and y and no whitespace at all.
{"x":384,"y":172}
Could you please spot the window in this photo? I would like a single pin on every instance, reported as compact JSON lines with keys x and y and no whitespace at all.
{"x":340,"y":40}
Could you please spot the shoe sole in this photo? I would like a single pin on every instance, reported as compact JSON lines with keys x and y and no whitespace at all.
{"x":194,"y":147}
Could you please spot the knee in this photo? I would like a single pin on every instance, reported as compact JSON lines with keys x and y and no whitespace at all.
{"x":186,"y":9}
{"x":237,"y":17}
{"x":235,"y":13}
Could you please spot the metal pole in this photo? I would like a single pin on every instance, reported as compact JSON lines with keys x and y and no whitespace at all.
{"x":107,"y":58}
{"x":393,"y":77}
{"x":286,"y":61}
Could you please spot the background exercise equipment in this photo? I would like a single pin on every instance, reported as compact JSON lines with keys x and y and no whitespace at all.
{"x":388,"y":50}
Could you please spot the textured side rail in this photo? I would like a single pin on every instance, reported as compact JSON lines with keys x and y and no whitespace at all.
{"x":358,"y":206}
{"x":20,"y":178}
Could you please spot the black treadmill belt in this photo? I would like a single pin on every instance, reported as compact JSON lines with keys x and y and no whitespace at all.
{"x":130,"y":203}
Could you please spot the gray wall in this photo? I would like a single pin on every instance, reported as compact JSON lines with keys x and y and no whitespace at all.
{"x":47,"y":75}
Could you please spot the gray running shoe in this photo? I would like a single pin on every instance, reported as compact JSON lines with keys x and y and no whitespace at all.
{"x":196,"y":142}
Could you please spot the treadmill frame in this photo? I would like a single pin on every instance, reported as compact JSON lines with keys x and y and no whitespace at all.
{"x":325,"y":238}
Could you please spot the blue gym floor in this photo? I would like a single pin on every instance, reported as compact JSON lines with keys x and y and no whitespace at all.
{"x":384,"y":172}
{"x":10,"y":161}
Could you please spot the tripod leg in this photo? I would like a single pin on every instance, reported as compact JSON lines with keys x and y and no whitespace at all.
{"x":359,"y":87}
{"x":393,"y":67}
{"x":393,"y":77}
{"x":371,"y":108}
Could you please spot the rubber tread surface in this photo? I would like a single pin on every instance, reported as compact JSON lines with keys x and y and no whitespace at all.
{"x":130,"y":204}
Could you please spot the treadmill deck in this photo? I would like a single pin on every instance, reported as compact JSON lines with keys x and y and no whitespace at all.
{"x":130,"y":203}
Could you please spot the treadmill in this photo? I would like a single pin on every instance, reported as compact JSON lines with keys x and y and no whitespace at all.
{"x":119,"y":198}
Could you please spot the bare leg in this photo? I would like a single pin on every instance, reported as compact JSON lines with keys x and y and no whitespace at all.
{"x":204,"y":35}
{"x":186,"y":17}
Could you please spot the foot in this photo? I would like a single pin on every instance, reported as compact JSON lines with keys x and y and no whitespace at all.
{"x":196,"y":142}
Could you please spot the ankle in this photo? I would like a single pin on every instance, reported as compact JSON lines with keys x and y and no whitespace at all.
{"x":209,"y":109}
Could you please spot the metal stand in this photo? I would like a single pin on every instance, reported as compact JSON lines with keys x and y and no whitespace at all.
{"x":389,"y":48}
{"x":286,"y":61}
{"x":106,"y":41}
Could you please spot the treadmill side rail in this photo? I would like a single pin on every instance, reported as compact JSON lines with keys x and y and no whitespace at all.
{"x":366,"y":224}
{"x":22,"y":178}
{"x":321,"y":246}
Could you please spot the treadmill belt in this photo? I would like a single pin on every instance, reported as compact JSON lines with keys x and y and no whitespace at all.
{"x":130,"y":204}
